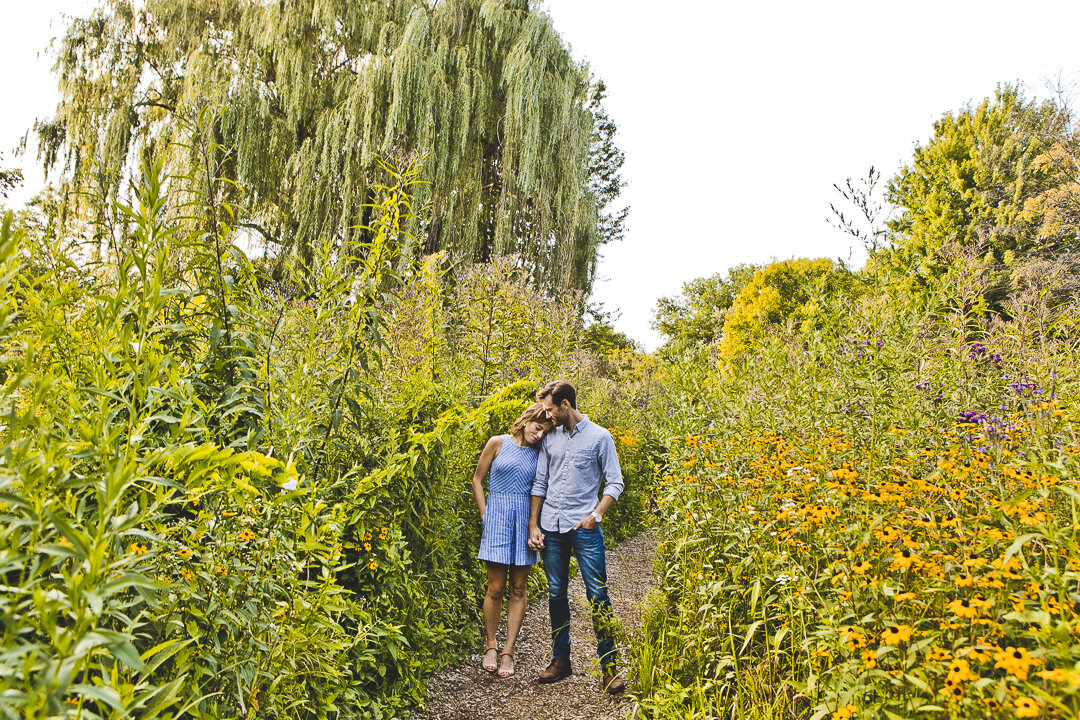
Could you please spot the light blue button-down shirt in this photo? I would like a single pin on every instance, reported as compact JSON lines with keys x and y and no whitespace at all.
{"x":568,"y":474}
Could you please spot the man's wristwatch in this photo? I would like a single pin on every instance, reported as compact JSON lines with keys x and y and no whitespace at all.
{"x":597,"y":517}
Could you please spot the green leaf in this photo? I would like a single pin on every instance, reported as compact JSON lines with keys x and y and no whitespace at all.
{"x":750,"y":634}
{"x":161,"y":652}
{"x":78,"y":539}
{"x":102,"y":693}
{"x":1016,"y":545}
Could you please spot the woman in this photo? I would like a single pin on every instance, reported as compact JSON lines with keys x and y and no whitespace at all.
{"x":511,"y":460}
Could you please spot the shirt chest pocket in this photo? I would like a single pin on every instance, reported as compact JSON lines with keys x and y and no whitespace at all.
{"x":583,"y":459}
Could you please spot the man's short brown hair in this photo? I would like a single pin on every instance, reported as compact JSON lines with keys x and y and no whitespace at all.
{"x":559,"y":390}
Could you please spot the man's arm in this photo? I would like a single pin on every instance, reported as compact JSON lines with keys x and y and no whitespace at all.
{"x":613,"y":482}
{"x":589,"y":522}
{"x":610,"y":469}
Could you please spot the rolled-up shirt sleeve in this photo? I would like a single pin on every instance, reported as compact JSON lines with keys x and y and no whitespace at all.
{"x":540,"y":482}
{"x":609,"y":467}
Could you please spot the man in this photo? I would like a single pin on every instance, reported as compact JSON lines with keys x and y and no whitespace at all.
{"x":565,"y":518}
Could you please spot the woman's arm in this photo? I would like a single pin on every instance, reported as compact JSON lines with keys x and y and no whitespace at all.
{"x":491,"y":449}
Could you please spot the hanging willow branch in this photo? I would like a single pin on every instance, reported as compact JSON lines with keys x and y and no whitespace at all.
{"x":315,"y":90}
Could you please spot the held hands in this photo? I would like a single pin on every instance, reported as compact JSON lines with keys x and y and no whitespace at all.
{"x":536,"y":538}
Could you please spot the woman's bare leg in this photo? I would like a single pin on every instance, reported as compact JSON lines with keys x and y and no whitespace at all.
{"x":496,"y":573}
{"x":515,"y":613}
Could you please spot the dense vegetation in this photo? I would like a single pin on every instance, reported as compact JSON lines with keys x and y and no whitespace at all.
{"x":303,"y":260}
{"x":235,"y":483}
{"x":870,"y":493}
{"x":226,"y":496}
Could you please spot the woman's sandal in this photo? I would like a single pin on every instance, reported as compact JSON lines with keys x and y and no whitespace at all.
{"x":505,"y":673}
{"x":493,"y":665}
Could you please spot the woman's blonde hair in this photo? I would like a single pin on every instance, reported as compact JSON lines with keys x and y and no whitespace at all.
{"x":534,"y":413}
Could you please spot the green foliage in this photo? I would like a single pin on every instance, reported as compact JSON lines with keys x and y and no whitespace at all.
{"x":605,"y":165}
{"x":830,"y":503}
{"x":970,"y":185}
{"x":228,"y":492}
{"x":10,"y":178}
{"x":603,"y":338}
{"x":791,"y":292}
{"x":698,"y":315}
{"x":520,"y":158}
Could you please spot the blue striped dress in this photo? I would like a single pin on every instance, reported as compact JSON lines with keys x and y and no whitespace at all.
{"x":506,"y":517}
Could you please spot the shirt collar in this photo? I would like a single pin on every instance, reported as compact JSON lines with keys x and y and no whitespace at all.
{"x":581,"y":425}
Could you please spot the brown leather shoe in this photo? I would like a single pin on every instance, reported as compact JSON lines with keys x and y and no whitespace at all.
{"x":613,"y":682}
{"x":557,"y":670}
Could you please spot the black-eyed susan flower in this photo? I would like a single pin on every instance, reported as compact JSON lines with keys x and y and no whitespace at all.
{"x":963,"y":608}
{"x":853,"y":639}
{"x":896,"y":634}
{"x":183,"y":553}
{"x":960,"y":671}
{"x":1027,"y":707}
{"x":247,"y":534}
{"x":845,"y":712}
{"x":938,"y":655}
{"x":887,"y":534}
{"x":952,"y":689}
{"x":1057,"y":675}
{"x":1015,"y":661}
{"x":904,"y":559}
{"x":861,"y":568}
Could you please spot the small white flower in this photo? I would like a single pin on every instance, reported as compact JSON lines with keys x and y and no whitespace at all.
{"x":289,"y":485}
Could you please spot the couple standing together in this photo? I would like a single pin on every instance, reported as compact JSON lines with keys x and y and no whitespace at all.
{"x":543,"y":488}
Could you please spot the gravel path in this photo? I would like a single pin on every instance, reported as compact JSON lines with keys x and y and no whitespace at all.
{"x":467,"y":692}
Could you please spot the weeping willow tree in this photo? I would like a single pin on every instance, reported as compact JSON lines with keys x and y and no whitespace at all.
{"x":310,"y":94}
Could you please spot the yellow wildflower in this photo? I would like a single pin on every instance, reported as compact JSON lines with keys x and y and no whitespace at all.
{"x":1027,"y":707}
{"x":896,"y":634}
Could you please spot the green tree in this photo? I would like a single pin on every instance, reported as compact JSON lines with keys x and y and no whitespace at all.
{"x":791,"y":291}
{"x":312,"y":92}
{"x":605,"y":163}
{"x":602,"y":337}
{"x":697,"y":315}
{"x":10,"y":178}
{"x":969,"y":184}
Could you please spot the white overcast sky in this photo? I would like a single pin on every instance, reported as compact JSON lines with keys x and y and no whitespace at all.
{"x":736,"y":117}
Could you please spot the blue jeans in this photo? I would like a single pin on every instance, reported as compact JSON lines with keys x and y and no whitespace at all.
{"x":588,"y":547}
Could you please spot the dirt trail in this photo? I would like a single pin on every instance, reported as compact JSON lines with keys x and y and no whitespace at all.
{"x":466,"y":692}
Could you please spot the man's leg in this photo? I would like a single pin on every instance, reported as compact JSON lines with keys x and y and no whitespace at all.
{"x":557,"y":569}
{"x":589,"y":549}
